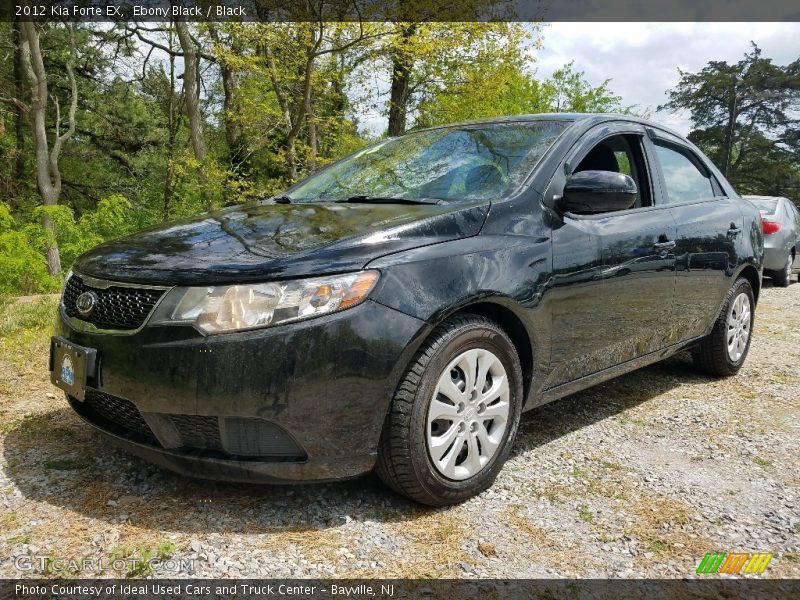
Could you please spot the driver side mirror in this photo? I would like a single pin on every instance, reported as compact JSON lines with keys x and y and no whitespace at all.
{"x":597,"y":192}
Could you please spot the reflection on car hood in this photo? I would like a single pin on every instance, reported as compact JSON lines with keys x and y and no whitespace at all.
{"x":258,"y":242}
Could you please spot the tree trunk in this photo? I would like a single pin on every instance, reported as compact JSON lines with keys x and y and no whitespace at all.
{"x":191,"y":89}
{"x":19,"y":114}
{"x":172,"y":133}
{"x":48,"y":175}
{"x":401,"y":86}
{"x":311,"y":124}
{"x":398,"y":100}
{"x":230,"y":106}
{"x":728,"y":140}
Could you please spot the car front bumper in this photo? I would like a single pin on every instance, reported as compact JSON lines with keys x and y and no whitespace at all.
{"x":303,"y":401}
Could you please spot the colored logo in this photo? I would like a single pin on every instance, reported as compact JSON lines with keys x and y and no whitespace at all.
{"x":734,"y":564}
{"x":67,"y":371}
{"x":86,"y":303}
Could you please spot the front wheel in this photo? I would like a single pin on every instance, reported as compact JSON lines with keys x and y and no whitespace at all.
{"x":454,"y":415}
{"x":783,"y":278}
{"x":724,"y":350}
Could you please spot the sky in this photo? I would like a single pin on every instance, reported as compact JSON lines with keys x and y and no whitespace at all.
{"x":642,"y":59}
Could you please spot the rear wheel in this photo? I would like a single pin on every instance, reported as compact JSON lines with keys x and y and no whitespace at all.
{"x":454,"y":415}
{"x":724,"y":350}
{"x":784,"y":277}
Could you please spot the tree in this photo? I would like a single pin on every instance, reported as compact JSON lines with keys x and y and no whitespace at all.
{"x":506,"y":86}
{"x":191,"y":88}
{"x":48,"y":173}
{"x":744,"y":114}
{"x":425,"y":58}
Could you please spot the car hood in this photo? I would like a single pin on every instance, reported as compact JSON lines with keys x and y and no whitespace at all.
{"x":258,"y":242}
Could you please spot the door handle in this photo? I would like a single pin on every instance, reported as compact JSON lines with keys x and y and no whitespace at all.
{"x":669,"y":245}
{"x":734,"y":230}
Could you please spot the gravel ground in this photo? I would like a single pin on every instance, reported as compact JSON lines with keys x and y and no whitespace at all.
{"x":638,"y":477}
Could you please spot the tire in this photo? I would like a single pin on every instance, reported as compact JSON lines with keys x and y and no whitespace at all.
{"x":715,"y":356}
{"x":783,"y":278}
{"x":412,"y":435}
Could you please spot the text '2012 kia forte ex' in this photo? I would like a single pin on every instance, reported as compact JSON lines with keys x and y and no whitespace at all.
{"x":399,"y":309}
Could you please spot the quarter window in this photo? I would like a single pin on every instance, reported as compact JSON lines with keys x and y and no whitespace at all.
{"x":684,"y":180}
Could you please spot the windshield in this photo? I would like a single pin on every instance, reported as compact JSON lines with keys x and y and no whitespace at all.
{"x":765,"y":205}
{"x":471,"y":162}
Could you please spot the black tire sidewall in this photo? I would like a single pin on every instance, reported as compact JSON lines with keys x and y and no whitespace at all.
{"x":477,"y":336}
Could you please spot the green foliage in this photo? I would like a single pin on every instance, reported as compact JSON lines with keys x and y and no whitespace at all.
{"x":278,"y":101}
{"x":22,"y":259}
{"x":500,"y":88}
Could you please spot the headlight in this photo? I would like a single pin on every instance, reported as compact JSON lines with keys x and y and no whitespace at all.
{"x":238,"y":307}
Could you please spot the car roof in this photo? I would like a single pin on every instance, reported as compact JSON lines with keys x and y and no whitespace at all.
{"x":587,"y":119}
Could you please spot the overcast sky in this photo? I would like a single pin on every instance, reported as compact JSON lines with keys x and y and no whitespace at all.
{"x":642,"y":59}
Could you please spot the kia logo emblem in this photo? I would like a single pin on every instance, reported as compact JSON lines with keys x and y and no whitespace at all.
{"x":86,"y":303}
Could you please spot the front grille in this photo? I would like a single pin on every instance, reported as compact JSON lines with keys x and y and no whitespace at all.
{"x":117,"y":307}
{"x":198,"y":431}
{"x":115,"y":414}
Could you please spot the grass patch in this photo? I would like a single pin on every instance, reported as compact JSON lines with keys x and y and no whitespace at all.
{"x":19,"y":539}
{"x":66,"y":464}
{"x":658,"y":546}
{"x":444,"y":532}
{"x":612,"y":466}
{"x":16,"y":317}
{"x":762,"y":462}
{"x":585,"y":514}
{"x":37,"y":426}
{"x":138,"y":558}
{"x":797,"y":527}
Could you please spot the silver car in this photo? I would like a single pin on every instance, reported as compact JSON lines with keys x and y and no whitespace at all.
{"x":781,"y":226}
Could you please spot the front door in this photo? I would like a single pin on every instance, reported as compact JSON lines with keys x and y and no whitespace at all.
{"x":614,"y":273}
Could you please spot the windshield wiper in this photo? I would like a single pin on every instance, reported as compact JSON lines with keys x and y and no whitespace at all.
{"x":363,"y":199}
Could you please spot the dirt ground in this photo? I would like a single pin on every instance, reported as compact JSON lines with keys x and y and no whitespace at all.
{"x":638,"y":477}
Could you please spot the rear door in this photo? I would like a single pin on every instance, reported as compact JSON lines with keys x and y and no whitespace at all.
{"x":708,"y":224}
{"x":614,"y":273}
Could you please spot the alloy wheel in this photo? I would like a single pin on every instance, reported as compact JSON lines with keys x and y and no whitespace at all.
{"x":738,"y":326}
{"x":468,"y":414}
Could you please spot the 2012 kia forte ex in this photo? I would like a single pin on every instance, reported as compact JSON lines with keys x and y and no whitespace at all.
{"x":399,"y":309}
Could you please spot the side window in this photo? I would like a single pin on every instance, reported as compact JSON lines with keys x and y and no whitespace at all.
{"x":621,"y":154}
{"x":684,"y":180}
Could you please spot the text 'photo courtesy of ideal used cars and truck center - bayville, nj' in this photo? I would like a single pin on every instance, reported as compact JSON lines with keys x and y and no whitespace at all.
{"x":373,"y":299}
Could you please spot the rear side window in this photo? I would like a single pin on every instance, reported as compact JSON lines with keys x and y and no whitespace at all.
{"x":684,"y":180}
{"x":766,"y":205}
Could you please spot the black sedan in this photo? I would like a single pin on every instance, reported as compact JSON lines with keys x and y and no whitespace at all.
{"x":398,"y":310}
